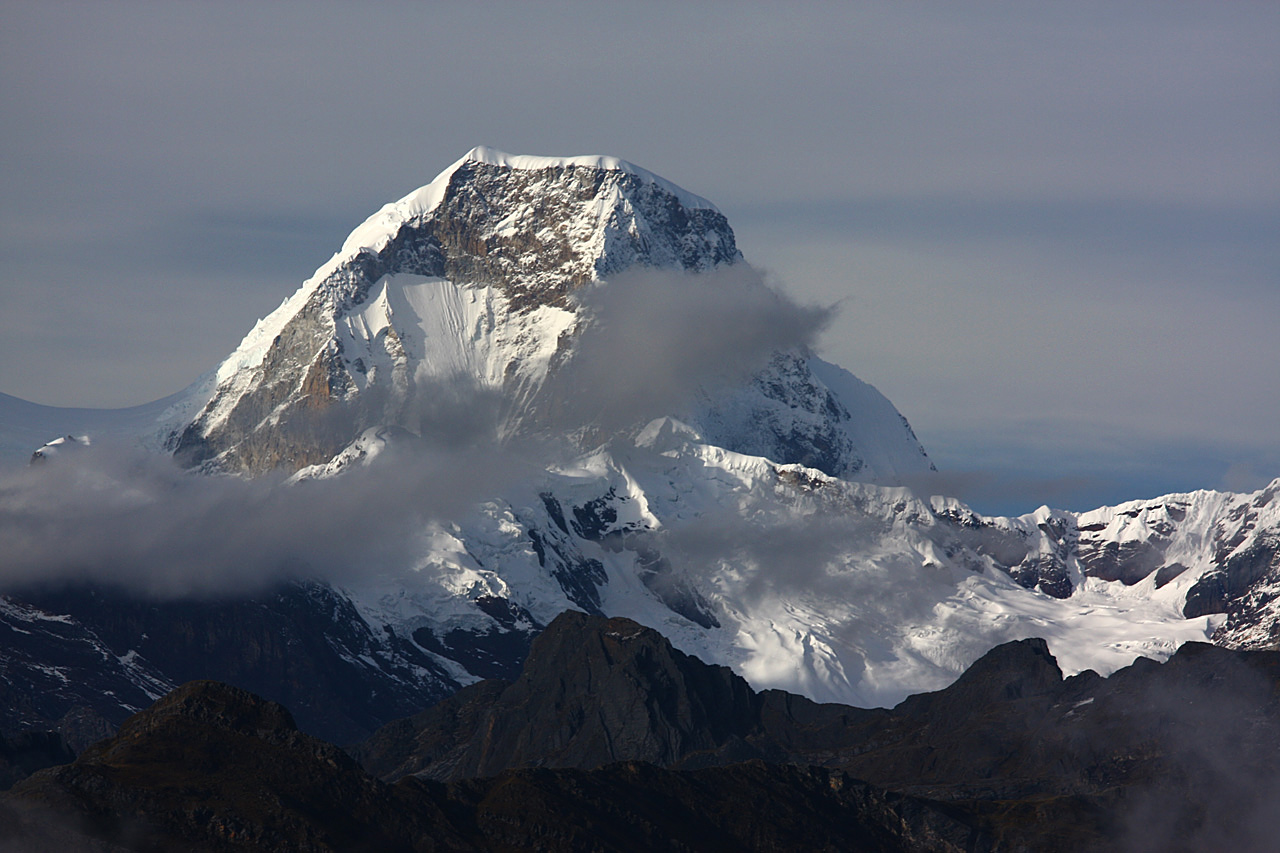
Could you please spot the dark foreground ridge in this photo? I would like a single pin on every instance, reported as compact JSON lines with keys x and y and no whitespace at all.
{"x":212,"y":767}
{"x":610,"y":739}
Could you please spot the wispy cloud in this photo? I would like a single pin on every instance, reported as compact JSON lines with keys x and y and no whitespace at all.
{"x":652,"y":338}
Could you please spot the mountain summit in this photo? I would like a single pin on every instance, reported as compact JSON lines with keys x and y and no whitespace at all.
{"x":472,"y":286}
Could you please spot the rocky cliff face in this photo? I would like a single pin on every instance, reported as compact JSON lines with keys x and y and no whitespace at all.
{"x":81,"y":661}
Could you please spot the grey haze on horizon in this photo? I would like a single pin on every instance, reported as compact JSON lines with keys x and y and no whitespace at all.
{"x":1052,"y":230}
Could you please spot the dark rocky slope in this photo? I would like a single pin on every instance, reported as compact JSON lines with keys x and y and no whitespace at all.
{"x":593,"y":690}
{"x":610,"y":739}
{"x":213,"y":768}
{"x":1049,"y":762}
{"x":76,"y":656}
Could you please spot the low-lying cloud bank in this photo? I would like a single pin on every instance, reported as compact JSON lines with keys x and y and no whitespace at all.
{"x":118,"y":517}
{"x":110,"y":514}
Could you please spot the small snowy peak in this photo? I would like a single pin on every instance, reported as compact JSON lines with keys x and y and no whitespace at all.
{"x":800,"y":409}
{"x":151,"y":427}
{"x":60,"y":446}
{"x":363,"y":451}
{"x":666,"y":434}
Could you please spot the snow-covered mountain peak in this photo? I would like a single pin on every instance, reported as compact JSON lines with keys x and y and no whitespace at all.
{"x":468,"y":289}
{"x":467,"y":280}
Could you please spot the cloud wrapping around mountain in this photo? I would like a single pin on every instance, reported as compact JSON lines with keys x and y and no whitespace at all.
{"x":653,"y":338}
{"x":115,"y":516}
{"x":110,"y":514}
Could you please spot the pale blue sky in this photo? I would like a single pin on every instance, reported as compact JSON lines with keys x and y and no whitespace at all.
{"x":1053,"y":228}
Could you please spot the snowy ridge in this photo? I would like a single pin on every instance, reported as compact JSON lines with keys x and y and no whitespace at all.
{"x":1206,"y":552}
{"x":841,"y":591}
{"x":25,"y":426}
{"x":253,"y":349}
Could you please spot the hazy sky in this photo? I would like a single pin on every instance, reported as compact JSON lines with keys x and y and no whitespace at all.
{"x":1053,"y":228}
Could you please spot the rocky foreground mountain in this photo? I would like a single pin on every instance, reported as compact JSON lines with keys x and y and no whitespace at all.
{"x":1031,"y":758}
{"x":611,"y":739}
{"x":539,"y":384}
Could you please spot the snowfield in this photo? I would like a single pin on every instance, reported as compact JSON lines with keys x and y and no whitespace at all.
{"x":840,"y":591}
